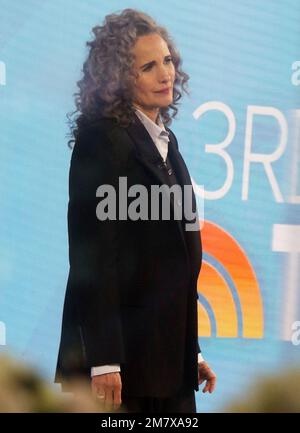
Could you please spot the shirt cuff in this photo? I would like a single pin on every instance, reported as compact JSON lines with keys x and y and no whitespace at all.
{"x":200,"y":358}
{"x":104,"y":369}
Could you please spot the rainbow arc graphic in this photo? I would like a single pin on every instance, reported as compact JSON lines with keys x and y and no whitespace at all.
{"x":231,"y":288}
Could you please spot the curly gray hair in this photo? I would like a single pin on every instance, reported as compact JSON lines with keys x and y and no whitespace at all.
{"x":106,"y":89}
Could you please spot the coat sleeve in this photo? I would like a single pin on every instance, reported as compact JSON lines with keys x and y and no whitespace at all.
{"x":93,"y":250}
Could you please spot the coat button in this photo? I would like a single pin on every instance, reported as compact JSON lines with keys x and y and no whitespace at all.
{"x":170,"y":171}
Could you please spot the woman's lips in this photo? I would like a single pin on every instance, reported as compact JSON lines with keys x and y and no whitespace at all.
{"x":164,"y":92}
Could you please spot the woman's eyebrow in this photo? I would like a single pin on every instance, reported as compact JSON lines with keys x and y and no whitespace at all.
{"x":153,"y":61}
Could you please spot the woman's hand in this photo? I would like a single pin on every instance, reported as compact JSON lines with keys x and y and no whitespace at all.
{"x":107,"y":388}
{"x":205,"y":373}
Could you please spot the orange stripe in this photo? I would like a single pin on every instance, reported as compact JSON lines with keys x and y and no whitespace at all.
{"x":224,"y":248}
{"x":204,"y":327}
{"x":214,"y":288}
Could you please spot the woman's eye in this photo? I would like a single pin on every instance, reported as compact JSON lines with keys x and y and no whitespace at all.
{"x":168,"y":60}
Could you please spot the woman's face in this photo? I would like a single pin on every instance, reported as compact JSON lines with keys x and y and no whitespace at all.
{"x":156,"y":72}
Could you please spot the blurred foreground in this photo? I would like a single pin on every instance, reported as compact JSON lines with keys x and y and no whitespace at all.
{"x":278,"y":393}
{"x":24,"y":390}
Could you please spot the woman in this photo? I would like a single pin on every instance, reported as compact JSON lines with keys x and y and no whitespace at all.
{"x":130,"y":312}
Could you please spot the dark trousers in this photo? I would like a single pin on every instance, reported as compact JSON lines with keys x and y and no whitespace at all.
{"x":182,"y":402}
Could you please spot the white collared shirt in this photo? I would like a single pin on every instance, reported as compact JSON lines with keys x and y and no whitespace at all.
{"x":156,"y":131}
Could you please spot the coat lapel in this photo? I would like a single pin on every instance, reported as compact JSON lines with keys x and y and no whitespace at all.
{"x":148,"y":154}
{"x":145,"y":150}
{"x":192,"y":238}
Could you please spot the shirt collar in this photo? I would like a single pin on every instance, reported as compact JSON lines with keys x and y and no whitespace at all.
{"x":156,"y":130}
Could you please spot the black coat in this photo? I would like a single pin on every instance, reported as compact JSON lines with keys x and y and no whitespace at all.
{"x":131,"y":295}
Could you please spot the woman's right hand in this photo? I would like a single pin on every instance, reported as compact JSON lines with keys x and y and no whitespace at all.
{"x":107,"y":388}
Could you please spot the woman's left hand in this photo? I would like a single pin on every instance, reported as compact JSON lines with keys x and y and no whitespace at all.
{"x":206,"y":374}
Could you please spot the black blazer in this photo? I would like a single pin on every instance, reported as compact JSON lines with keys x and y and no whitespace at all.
{"x":131,"y":295}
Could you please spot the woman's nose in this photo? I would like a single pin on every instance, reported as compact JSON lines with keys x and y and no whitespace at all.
{"x":164,"y":74}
